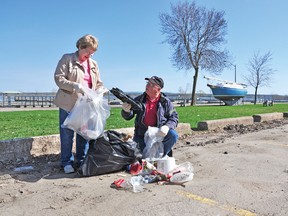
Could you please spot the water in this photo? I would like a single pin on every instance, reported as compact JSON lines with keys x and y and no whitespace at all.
{"x":178,"y":97}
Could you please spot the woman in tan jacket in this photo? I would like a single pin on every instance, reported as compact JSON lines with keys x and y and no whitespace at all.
{"x":75,"y":70}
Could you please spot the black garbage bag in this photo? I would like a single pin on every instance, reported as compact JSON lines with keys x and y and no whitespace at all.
{"x":109,"y":153}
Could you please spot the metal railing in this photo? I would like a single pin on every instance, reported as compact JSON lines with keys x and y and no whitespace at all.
{"x":19,"y":99}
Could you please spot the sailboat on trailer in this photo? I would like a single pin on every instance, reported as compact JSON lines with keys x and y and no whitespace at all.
{"x":226,"y":91}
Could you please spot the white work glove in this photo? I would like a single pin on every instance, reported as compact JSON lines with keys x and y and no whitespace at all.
{"x":163,"y":131}
{"x":126,"y":107}
{"x":78,"y":88}
{"x":102,"y":90}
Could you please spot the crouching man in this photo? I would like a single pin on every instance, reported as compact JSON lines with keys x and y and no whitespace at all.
{"x":158,"y":111}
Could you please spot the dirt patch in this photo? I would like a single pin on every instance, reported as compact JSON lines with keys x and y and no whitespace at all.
{"x":201,"y":138}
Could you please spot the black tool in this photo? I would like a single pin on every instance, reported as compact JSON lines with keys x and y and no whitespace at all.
{"x":136,"y":106}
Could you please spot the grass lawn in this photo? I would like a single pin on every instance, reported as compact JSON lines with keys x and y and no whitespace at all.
{"x":21,"y":124}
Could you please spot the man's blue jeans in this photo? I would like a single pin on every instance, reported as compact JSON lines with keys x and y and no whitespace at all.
{"x":66,"y":139}
{"x":169,"y":141}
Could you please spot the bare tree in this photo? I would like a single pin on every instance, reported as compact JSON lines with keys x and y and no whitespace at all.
{"x":183,"y":93}
{"x":195,"y":34}
{"x":260,"y":71}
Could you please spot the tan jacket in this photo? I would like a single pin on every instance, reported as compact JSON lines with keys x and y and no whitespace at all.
{"x":69,"y":71}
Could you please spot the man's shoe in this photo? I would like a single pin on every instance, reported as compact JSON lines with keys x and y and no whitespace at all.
{"x":68,"y":169}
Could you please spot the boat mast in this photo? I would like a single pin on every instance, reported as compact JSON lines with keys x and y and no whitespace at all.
{"x":235,"y":72}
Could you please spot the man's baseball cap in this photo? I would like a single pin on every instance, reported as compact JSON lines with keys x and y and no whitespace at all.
{"x":157,"y":80}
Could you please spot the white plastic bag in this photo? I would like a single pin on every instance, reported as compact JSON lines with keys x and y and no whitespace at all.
{"x":182,"y":177}
{"x":154,"y":147}
{"x":183,"y":167}
{"x":89,"y":114}
{"x":137,"y":183}
{"x":182,"y":173}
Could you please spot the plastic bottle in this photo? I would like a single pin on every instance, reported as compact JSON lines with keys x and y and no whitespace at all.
{"x":23,"y":168}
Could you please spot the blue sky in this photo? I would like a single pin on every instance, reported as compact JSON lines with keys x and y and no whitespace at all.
{"x":35,"y":34}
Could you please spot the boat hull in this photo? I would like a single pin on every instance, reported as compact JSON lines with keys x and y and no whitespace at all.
{"x":228,"y":95}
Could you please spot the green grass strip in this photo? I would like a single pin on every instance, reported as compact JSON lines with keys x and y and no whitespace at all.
{"x":22,"y":124}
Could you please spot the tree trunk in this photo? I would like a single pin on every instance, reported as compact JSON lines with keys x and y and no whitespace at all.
{"x":255,"y":95}
{"x":195,"y":77}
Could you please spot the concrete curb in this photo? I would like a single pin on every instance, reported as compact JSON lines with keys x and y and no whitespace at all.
{"x":268,"y":117}
{"x":23,"y":149}
{"x":221,"y":123}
